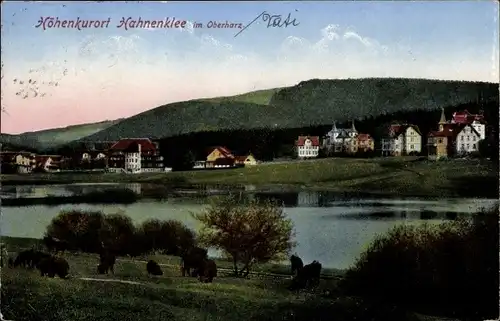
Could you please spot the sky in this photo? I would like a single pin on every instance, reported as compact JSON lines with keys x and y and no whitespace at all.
{"x":64,"y":76}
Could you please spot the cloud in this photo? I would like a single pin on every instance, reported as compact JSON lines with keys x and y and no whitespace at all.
{"x":130,"y":73}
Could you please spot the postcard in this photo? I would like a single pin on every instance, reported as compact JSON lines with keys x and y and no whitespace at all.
{"x":247,"y":161}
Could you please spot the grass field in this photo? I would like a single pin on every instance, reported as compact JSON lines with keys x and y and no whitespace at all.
{"x":131,"y":295}
{"x":410,"y":176}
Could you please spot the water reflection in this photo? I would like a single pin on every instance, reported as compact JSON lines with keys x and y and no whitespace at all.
{"x":330,"y":227}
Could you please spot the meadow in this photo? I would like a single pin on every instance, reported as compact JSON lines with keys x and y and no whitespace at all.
{"x":405,"y":176}
{"x":132,"y":295}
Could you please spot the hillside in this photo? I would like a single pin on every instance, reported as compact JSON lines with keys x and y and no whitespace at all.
{"x":310,"y":103}
{"x":44,"y":139}
{"x":261,"y":97}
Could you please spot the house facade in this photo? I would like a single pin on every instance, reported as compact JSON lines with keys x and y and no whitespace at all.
{"x":135,"y":155}
{"x":307,"y":146}
{"x":467,"y":140}
{"x":48,"y":163}
{"x":248,"y":160}
{"x":365,"y":143}
{"x":339,"y":140}
{"x":219,"y":157}
{"x":459,"y":136}
{"x":402,"y":139}
{"x":17,"y":162}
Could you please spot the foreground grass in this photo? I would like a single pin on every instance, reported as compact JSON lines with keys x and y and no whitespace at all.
{"x":408,"y":176}
{"x":27,"y":296}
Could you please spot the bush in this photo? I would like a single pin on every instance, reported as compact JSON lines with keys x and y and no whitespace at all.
{"x":170,"y":237}
{"x":88,"y":231}
{"x":117,"y":232}
{"x":452,"y":268}
{"x":80,"y":229}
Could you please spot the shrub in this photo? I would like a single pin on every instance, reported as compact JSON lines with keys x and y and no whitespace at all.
{"x":247,"y":231}
{"x":117,"y":232}
{"x":88,"y":231}
{"x":80,"y":229}
{"x":452,"y":267}
{"x":170,"y":237}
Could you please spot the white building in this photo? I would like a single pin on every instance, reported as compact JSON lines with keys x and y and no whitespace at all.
{"x":308,"y":146}
{"x":135,"y":155}
{"x":337,"y":138}
{"x":133,"y":158}
{"x":467,"y":139}
{"x":402,"y":140}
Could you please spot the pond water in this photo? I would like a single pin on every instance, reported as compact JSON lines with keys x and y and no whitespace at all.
{"x":329,"y":228}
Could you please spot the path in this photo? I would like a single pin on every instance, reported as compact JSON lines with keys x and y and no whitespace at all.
{"x":112,"y":280}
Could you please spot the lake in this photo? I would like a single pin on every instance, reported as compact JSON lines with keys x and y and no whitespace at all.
{"x":330,"y":228}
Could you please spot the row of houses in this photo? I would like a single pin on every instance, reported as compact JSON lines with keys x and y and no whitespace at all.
{"x":459,"y":136}
{"x":130,"y":155}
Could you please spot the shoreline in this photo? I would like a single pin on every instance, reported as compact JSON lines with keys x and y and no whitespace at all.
{"x":103,"y":199}
{"x":378,"y":177}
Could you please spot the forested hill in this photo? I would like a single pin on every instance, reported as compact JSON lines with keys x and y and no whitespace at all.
{"x":310,"y":103}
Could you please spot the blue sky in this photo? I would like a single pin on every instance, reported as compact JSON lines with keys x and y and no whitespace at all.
{"x":428,"y":39}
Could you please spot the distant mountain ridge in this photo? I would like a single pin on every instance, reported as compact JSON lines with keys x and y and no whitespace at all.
{"x":49,"y":138}
{"x":309,"y":103}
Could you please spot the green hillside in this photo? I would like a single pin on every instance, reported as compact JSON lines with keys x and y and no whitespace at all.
{"x":44,"y":139}
{"x":312,"y":102}
{"x":261,"y":97}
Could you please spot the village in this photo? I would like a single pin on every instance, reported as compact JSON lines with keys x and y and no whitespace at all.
{"x":457,"y":137}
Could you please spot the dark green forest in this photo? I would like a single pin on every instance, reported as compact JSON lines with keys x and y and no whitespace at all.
{"x":266,"y":144}
{"x":310,"y":103}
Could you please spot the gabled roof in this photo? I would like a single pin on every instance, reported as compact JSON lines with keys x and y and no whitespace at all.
{"x":465,"y":117}
{"x":223,"y":150}
{"x":461,"y":127}
{"x":302,"y":140}
{"x":124,"y":144}
{"x":397,"y":129}
{"x":343,"y":134}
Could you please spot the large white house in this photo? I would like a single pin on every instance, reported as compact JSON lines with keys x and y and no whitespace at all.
{"x":476,"y":120}
{"x":402,"y":139}
{"x":308,"y":146}
{"x":467,"y":139}
{"x":337,"y":138}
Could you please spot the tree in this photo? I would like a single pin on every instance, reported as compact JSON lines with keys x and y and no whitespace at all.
{"x":247,"y":231}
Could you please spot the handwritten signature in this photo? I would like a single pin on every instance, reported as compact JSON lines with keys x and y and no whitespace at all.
{"x":273,"y":21}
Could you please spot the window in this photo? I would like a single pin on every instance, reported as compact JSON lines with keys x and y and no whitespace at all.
{"x":440,"y":140}
{"x":468,"y":146}
{"x":463,"y":146}
{"x":474,"y":147}
{"x":411,"y":146}
{"x":462,"y":139}
{"x":468,"y":137}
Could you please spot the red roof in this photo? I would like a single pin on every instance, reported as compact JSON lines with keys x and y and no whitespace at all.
{"x":445,"y":133}
{"x":224,"y":151}
{"x":123,"y":144}
{"x":464,"y":117}
{"x":364,"y":137}
{"x":302,"y":140}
